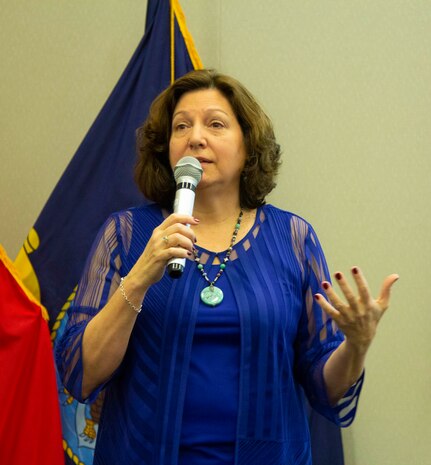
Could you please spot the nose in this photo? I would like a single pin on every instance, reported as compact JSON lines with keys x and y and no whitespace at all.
{"x":197,"y":137}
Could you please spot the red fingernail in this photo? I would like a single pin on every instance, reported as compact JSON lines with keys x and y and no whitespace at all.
{"x":338,"y":276}
{"x":355,"y":270}
{"x":325,"y":286}
{"x":316,"y":296}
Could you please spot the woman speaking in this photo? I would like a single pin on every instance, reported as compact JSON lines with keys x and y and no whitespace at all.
{"x":211,"y":368}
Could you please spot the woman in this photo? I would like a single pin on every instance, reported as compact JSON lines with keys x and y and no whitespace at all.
{"x":187,"y":382}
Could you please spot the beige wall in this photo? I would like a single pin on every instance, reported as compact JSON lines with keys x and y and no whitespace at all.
{"x":347,"y":84}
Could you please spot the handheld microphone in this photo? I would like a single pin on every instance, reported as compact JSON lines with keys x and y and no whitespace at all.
{"x":187,"y":173}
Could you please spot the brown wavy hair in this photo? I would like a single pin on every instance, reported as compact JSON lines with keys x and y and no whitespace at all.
{"x":153,"y":173}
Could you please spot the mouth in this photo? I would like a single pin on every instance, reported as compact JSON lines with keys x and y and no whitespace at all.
{"x":203,"y":160}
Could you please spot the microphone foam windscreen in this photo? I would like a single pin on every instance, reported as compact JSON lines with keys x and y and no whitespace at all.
{"x":188,"y":166}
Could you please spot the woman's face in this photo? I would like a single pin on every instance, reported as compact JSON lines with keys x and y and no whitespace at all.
{"x":204,"y":126}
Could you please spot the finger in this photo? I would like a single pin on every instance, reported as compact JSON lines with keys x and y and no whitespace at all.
{"x":385,"y":291}
{"x":362,"y":285}
{"x":346,"y":289}
{"x":166,"y":253}
{"x":183,"y":229}
{"x":178,"y":240}
{"x":327,"y":307}
{"x":179,"y":218}
{"x":333,"y":296}
{"x":172,"y":232}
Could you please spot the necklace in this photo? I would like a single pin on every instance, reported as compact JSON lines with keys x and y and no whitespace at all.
{"x":213,"y":295}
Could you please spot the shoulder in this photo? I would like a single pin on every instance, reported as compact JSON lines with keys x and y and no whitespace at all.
{"x":292,"y":228}
{"x":121,"y":225}
{"x":146,"y":210}
{"x":150,"y":213}
{"x":295,"y":234}
{"x":285,"y":217}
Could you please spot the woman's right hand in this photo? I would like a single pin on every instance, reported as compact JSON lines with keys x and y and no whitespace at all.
{"x":171,"y":239}
{"x":107,"y":335}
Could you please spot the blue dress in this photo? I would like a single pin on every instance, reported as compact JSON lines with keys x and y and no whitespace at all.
{"x":277,"y":342}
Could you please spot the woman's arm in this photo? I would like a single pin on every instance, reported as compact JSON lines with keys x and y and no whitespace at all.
{"x":358,"y":320}
{"x":106,"y":336}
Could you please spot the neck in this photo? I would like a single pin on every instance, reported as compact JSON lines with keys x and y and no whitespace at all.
{"x":215,"y":211}
{"x":215,"y":204}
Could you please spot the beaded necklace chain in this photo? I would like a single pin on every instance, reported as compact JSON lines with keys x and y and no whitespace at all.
{"x":213,"y":295}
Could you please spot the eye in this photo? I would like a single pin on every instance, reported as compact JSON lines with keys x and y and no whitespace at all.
{"x":180,"y":126}
{"x":217,"y":124}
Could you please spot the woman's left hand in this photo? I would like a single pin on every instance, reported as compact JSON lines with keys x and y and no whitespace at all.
{"x":359,"y":316}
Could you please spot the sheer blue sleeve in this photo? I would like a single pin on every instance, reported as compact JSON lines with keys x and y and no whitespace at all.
{"x":99,"y":281}
{"x":318,"y":335}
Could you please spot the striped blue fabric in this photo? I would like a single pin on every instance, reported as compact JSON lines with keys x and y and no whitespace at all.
{"x":285,"y":340}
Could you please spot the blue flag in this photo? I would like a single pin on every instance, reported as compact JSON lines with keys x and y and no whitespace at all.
{"x":97,"y":182}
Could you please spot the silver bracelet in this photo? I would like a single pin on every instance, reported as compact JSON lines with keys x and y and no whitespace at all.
{"x":123,"y":293}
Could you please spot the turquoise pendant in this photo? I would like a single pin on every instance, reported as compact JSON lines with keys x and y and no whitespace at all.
{"x":212,"y":296}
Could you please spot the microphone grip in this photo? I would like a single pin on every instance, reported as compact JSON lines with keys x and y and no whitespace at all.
{"x":176,"y":267}
{"x":184,"y":202}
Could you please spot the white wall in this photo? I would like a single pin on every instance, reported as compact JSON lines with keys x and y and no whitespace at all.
{"x":347,"y":84}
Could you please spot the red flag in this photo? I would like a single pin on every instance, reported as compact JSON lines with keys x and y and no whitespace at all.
{"x":30,"y":426}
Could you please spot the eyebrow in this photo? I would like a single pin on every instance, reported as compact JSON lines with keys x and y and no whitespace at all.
{"x":207,"y":110}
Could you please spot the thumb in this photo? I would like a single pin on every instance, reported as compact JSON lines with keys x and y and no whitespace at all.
{"x":385,"y":291}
